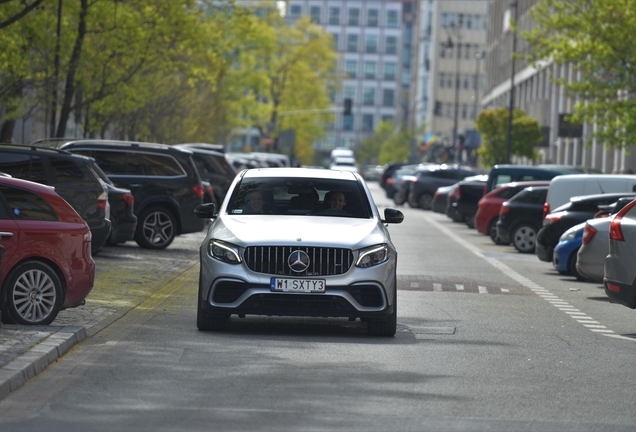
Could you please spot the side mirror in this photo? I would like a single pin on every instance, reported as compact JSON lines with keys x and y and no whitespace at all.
{"x":392,"y":215}
{"x":205,"y":211}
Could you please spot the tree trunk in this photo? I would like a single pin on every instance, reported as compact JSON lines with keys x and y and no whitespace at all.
{"x":69,"y":87}
{"x":6,"y":132}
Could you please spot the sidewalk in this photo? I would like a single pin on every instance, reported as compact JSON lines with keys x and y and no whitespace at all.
{"x":125,"y":276}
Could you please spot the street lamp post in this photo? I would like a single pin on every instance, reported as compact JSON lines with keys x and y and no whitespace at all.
{"x":450,"y":44}
{"x":513,"y":3}
{"x":478,"y":57}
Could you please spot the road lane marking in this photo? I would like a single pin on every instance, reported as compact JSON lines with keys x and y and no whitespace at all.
{"x":542,"y":292}
{"x":459,"y":287}
{"x":415,"y":285}
{"x":482,"y":290}
{"x":505,"y":290}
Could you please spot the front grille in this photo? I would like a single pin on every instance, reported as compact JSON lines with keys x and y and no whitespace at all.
{"x":322,"y":261}
{"x":321,"y":304}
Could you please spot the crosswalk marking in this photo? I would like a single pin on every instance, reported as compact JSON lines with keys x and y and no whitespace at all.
{"x":415,"y":285}
{"x":482,"y":290}
{"x":505,"y":290}
{"x":437,"y":287}
{"x":459,"y":287}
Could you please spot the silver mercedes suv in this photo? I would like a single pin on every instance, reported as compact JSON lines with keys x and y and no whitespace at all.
{"x":298,"y":242}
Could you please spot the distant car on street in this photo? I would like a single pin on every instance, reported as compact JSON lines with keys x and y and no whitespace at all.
{"x":565,"y":252}
{"x":47,"y":263}
{"x":520,"y":218}
{"x":330,"y":257}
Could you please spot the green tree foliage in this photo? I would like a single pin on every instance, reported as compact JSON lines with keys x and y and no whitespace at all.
{"x":387,"y":144}
{"x":371,"y":147}
{"x":492,"y":124}
{"x":595,"y":36}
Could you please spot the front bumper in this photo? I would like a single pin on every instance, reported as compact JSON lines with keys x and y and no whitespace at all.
{"x":545,"y":253}
{"x":366,"y":293}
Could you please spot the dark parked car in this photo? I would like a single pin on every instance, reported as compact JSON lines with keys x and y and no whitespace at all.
{"x":429,"y":178}
{"x":520,"y":218}
{"x":74,"y":178}
{"x":163,"y":180}
{"x":440,"y":199}
{"x":578,"y":210}
{"x":397,"y":187}
{"x":468,"y":193}
{"x":214,"y":168}
{"x":46,"y":263}
{"x":387,"y":172}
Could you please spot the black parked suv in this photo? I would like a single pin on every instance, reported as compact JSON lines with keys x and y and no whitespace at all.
{"x":214,"y":168}
{"x":429,"y":178}
{"x":520,"y":218}
{"x":74,"y":178}
{"x":578,"y":210}
{"x":164,"y":181}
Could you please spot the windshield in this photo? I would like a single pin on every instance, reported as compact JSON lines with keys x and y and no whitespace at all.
{"x":299,"y":197}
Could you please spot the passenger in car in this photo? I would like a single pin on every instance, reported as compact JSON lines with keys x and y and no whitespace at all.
{"x":255,"y":203}
{"x":337,"y":200}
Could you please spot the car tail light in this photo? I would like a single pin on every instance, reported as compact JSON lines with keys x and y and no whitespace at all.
{"x":552,"y":217}
{"x":389,"y":182}
{"x":613,"y":287}
{"x":588,"y":234}
{"x":546,"y":210}
{"x":458,"y":194}
{"x":437,"y":193}
{"x":198,"y":189}
{"x":504,"y":209}
{"x":129,"y":199}
{"x":88,"y":236}
{"x":481,"y":204}
{"x":102,"y":199}
{"x":615,"y":231}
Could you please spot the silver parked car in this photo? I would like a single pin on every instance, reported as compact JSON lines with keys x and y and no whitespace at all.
{"x":298,"y":242}
{"x":620,"y":263}
{"x":595,"y":246}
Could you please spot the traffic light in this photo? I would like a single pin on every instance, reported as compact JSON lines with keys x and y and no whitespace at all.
{"x":347,"y":107}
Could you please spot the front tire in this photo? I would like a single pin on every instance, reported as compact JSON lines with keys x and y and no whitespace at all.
{"x":492,"y":232}
{"x":524,"y":238}
{"x":207,"y":322}
{"x":385,"y":326}
{"x":156,"y":229}
{"x":33,"y":294}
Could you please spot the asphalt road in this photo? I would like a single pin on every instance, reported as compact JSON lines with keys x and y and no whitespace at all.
{"x":488,"y":339}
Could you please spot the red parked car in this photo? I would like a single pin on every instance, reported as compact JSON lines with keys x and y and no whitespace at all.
{"x":490,"y":205}
{"x":46,"y":260}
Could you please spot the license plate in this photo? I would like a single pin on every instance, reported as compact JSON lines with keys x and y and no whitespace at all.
{"x":298,"y":285}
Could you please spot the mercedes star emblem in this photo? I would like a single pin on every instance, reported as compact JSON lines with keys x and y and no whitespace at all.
{"x":298,"y":261}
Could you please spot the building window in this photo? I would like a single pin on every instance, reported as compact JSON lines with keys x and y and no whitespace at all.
{"x":392,"y":18}
{"x":352,"y":43}
{"x":349,"y":92}
{"x":391,"y":45}
{"x":334,"y":15}
{"x":371,"y":43}
{"x":368,"y":96}
{"x":469,"y":21}
{"x":296,"y":10}
{"x":473,"y":112}
{"x":452,"y":20}
{"x":466,"y":83}
{"x":335,"y":40}
{"x":464,"y":111}
{"x":347,"y":122}
{"x":449,"y":81}
{"x":466,"y":51}
{"x":442,"y":80}
{"x":367,"y":122}
{"x":449,"y":109}
{"x":354,"y":16}
{"x":477,"y":21}
{"x":388,"y":97}
{"x":351,"y":67}
{"x":444,"y":20}
{"x":442,"y":50}
{"x":389,"y":71}
{"x":370,"y":70}
{"x":372,"y":18}
{"x":314,"y":13}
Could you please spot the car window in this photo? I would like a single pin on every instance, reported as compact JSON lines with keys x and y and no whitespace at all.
{"x":161,"y":165}
{"x":530,"y":177}
{"x":23,"y":166}
{"x":65,"y":170}
{"x":508,"y":192}
{"x":207,"y":164}
{"x":289,"y":196}
{"x":501,"y":179}
{"x":27,"y":205}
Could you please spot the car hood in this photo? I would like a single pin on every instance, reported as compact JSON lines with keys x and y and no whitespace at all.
{"x":249,"y":230}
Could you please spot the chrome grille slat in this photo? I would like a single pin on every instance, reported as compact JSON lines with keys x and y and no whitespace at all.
{"x":324,"y":261}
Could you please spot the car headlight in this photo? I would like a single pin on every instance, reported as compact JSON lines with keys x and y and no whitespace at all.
{"x":372,"y":256}
{"x":225,"y":252}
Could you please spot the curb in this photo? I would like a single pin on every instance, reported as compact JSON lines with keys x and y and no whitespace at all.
{"x":14,"y":374}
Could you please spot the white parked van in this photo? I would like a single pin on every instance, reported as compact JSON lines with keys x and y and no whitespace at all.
{"x":341,"y":153}
{"x":564,"y":187}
